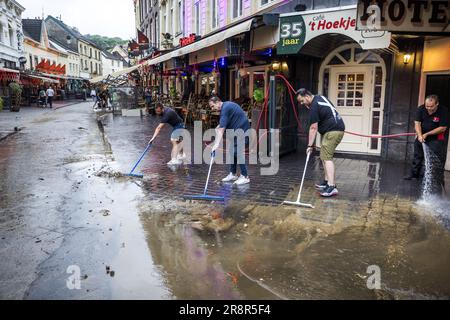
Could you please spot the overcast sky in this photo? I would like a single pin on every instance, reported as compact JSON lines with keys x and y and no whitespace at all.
{"x":112,"y":18}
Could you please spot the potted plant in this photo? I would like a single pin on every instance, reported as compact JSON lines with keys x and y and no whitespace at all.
{"x":16,"y":96}
{"x":173,"y":92}
{"x":258,"y":95}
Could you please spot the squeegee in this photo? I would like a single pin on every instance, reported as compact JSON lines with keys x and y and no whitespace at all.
{"x":204,"y":196}
{"x":298,"y":203}
{"x":139,"y":175}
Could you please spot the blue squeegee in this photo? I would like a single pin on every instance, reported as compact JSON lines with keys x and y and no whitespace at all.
{"x":204,"y":196}
{"x":139,"y":175}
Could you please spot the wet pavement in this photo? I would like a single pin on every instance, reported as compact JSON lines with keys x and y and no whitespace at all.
{"x":11,"y":120}
{"x":65,"y":203}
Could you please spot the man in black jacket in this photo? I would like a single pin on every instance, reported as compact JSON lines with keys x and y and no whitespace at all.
{"x":431,"y":125}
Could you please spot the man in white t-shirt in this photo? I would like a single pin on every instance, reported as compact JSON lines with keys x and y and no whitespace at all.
{"x":50,"y":94}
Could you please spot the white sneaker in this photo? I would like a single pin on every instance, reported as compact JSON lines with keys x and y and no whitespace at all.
{"x":174,"y":162}
{"x":242,"y":180}
{"x":182,"y":156}
{"x":231,"y":177}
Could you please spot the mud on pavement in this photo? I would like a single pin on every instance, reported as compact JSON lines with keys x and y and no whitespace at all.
{"x":261,"y":252}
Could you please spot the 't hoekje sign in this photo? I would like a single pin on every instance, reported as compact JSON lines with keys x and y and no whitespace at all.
{"x":413,"y":16}
{"x":297,"y":29}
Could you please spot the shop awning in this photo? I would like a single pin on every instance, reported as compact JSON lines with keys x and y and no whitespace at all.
{"x":9,"y":70}
{"x":9,"y":74}
{"x":54,"y":76}
{"x":41,"y":78}
{"x":115,"y":74}
{"x":204,"y":43}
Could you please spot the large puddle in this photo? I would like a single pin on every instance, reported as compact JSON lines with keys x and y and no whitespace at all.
{"x":255,"y":252}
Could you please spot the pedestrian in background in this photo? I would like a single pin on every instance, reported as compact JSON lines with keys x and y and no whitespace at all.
{"x":148,"y":98}
{"x":50,"y":94}
{"x":93,"y":95}
{"x":42,"y":98}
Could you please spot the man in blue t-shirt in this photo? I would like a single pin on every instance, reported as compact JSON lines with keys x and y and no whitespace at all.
{"x":232,"y":117}
{"x":169,"y":116}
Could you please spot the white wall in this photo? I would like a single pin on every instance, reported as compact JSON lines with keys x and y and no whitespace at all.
{"x":110,"y":66}
{"x":10,"y":48}
{"x":40,"y":53}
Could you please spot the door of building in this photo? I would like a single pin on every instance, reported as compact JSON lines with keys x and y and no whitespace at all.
{"x":351,"y":92}
{"x":439,"y":84}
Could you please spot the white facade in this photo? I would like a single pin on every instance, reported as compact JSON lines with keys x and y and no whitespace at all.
{"x":90,"y":59}
{"x":122,"y":52}
{"x":11,"y":35}
{"x":35,"y":52}
{"x":171,"y":21}
{"x":110,"y":65}
{"x":71,"y":61}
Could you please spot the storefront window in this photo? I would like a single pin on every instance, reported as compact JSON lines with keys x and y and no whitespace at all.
{"x":233,"y":75}
{"x":197,"y":17}
{"x":350,"y":89}
{"x":378,"y":87}
{"x":244,"y":86}
{"x":207,"y":85}
{"x":212,"y":85}
{"x":375,"y":129}
{"x":237,"y":8}
{"x":326,"y":81}
{"x":214,"y":13}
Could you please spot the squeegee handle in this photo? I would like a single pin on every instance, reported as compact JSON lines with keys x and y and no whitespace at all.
{"x":142,"y":157}
{"x":213,"y":155}
{"x":303,"y":178}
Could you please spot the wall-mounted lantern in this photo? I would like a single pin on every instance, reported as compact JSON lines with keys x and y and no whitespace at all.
{"x":406,"y":58}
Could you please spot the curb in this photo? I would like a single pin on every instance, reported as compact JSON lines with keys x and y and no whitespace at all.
{"x":67,"y":105}
{"x":10,"y":134}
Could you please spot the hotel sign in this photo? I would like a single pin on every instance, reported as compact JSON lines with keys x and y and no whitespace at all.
{"x":298,"y":29}
{"x":412,"y":16}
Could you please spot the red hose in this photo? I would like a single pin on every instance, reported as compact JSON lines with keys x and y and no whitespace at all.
{"x":347,"y":132}
{"x":291,"y":90}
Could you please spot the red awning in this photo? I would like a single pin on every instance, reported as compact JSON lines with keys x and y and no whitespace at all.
{"x":46,"y":67}
{"x":9,"y":74}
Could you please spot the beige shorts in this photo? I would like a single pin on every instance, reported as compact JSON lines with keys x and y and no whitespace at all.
{"x":330,"y":141}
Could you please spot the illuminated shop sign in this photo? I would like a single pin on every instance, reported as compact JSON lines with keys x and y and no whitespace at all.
{"x":414,"y":16}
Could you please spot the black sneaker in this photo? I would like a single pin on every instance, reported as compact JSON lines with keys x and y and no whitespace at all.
{"x":329,"y":191}
{"x":322,"y":186}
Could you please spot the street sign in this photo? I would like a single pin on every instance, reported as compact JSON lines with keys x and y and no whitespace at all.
{"x":297,"y":29}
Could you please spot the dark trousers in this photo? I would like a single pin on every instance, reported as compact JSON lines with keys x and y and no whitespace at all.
{"x":50,"y":101}
{"x":241,"y":156}
{"x":437,"y":148}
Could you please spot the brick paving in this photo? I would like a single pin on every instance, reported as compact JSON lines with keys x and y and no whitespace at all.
{"x":357,"y":179}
